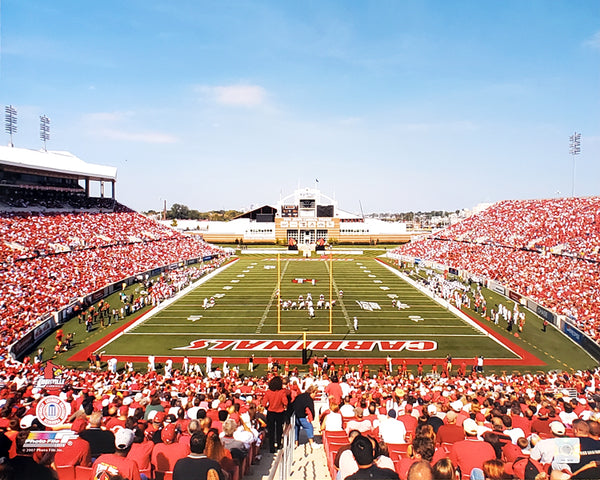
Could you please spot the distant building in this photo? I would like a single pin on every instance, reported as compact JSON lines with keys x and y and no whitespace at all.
{"x":307,"y":216}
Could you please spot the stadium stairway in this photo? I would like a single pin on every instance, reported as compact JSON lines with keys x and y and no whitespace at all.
{"x":308,"y":464}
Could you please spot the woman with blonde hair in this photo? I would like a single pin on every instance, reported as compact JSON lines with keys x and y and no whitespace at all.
{"x":332,"y":421}
{"x":216,"y":451}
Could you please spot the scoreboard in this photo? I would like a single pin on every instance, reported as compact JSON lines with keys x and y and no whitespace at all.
{"x":289,"y":211}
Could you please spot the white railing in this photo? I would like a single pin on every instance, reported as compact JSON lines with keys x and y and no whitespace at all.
{"x":282,"y":466}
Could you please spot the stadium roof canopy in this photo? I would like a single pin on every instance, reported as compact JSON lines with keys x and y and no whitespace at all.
{"x":41,"y":162}
{"x":264,"y":210}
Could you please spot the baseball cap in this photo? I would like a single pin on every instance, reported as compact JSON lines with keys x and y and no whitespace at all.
{"x":168,"y":433}
{"x":470,"y":426}
{"x":123,"y":438}
{"x":557,"y":428}
{"x":26,"y":421}
{"x":159,"y":417}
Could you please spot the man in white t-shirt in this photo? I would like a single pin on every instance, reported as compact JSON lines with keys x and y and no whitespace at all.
{"x":392,"y":430}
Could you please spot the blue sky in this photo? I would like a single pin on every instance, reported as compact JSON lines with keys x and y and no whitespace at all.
{"x":401,"y":105}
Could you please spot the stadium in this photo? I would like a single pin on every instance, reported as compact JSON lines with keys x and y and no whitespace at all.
{"x":305,"y":217}
{"x":104,"y":309}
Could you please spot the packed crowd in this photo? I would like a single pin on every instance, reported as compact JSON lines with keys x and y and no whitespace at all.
{"x":570,"y":226}
{"x":132,"y":423}
{"x":463,"y":421}
{"x":46,"y":261}
{"x":30,"y":235}
{"x":565,"y":284}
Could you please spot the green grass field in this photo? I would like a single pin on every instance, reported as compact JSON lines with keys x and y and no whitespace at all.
{"x":244,"y":320}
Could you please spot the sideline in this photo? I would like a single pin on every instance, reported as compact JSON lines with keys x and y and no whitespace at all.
{"x":83,"y":355}
{"x":524,"y":355}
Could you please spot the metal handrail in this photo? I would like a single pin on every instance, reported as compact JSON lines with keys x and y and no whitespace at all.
{"x":285,"y":456}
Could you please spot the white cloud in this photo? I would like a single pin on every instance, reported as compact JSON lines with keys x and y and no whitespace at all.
{"x":235,"y":95}
{"x":116,"y":126}
{"x":593,"y":41}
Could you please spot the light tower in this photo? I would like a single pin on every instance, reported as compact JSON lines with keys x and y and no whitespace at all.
{"x":44,"y":129}
{"x":10,"y":117}
{"x":574,"y":150}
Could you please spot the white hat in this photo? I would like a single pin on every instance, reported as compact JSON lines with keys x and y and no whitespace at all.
{"x":557,"y":428}
{"x":26,"y":421}
{"x":470,"y":426}
{"x":457,"y":406}
{"x":124,"y":438}
{"x":431,"y":409}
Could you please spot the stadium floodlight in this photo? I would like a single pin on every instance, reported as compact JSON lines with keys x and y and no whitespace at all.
{"x":574,"y":150}
{"x":10,"y":117}
{"x":44,"y":129}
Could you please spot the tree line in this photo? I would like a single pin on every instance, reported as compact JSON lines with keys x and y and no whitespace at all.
{"x":183,"y":212}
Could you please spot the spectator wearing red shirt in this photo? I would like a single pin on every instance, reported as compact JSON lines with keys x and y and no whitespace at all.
{"x":165,"y":455}
{"x":470,"y":453}
{"x":141,"y":449}
{"x":333,"y":389}
{"x":450,"y":432}
{"x":76,"y":451}
{"x":410,"y":422}
{"x":110,"y":464}
{"x":520,"y":421}
{"x":541,"y":424}
{"x":115,"y":422}
{"x":275,"y":400}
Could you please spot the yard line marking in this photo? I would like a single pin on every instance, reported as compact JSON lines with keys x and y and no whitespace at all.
{"x":214,"y":323}
{"x":169,"y":301}
{"x":341,"y":299}
{"x":271,"y":300}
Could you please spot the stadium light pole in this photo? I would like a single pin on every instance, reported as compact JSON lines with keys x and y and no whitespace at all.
{"x":44,"y":130}
{"x":10,"y":117}
{"x":574,"y":150}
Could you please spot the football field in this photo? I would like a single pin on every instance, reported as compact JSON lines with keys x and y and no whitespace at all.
{"x":234,"y":314}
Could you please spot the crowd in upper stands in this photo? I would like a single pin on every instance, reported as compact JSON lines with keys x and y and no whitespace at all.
{"x":49,"y":259}
{"x":547,"y":250}
{"x":569,"y":226}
